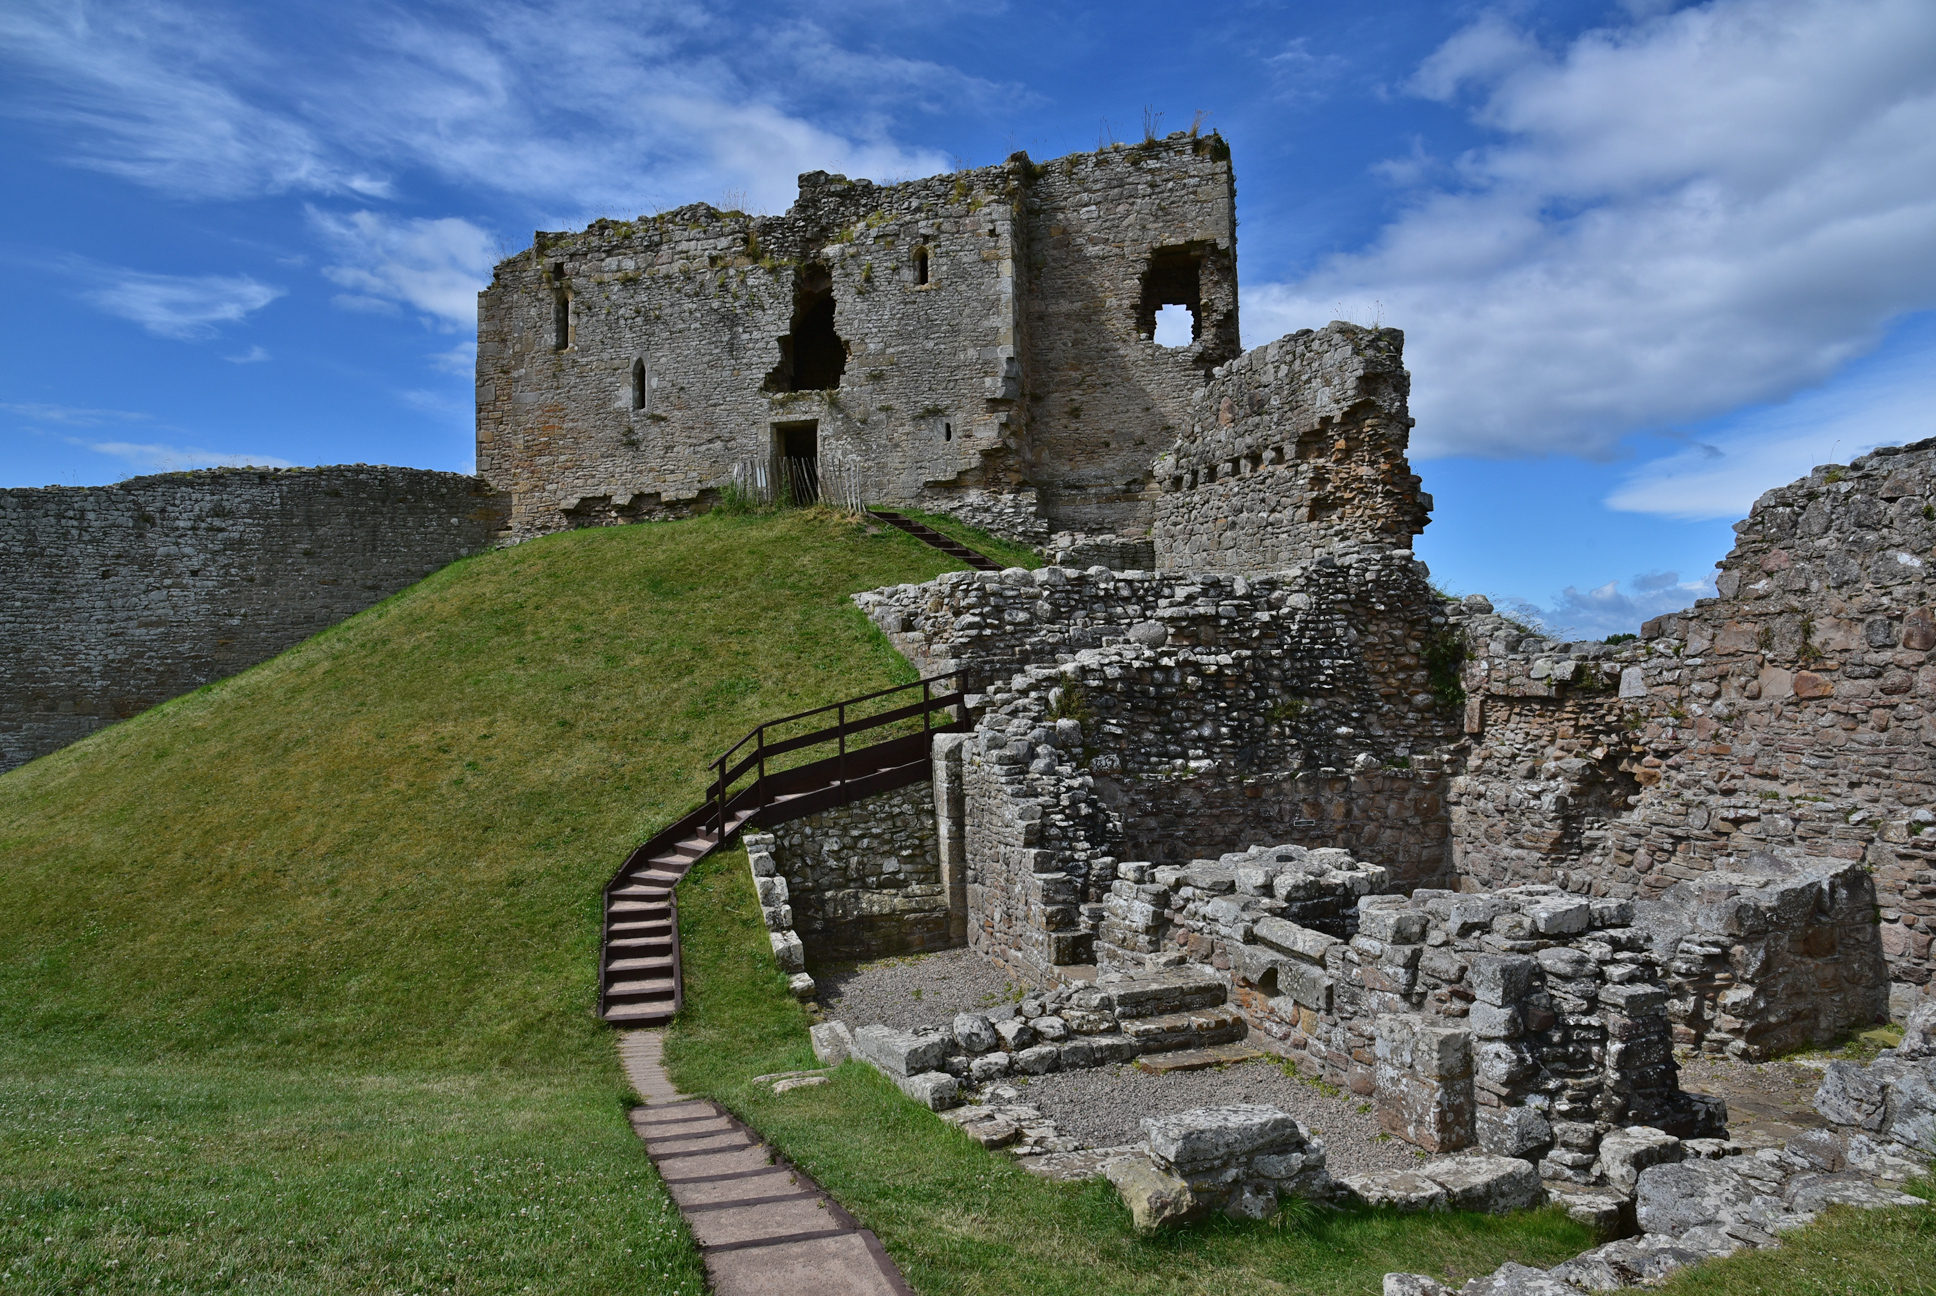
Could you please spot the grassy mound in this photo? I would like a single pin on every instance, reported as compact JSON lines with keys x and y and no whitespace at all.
{"x":297,"y":971}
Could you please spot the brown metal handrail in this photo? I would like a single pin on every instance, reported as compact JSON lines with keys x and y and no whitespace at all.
{"x":725,"y":802}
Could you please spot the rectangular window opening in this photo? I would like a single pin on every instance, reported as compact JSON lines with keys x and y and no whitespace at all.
{"x":920,"y":265}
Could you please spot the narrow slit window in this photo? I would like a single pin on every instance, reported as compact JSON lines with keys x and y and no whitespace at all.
{"x":947,"y":431}
{"x":920,"y":265}
{"x":638,"y":384}
{"x":561,"y":319}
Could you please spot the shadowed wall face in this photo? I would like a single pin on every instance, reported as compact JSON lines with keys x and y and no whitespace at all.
{"x":120,"y":597}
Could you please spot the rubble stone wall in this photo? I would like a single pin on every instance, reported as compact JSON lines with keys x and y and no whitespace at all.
{"x":115,"y":598}
{"x":864,"y":880}
{"x":1293,"y":450}
{"x":1794,"y":715}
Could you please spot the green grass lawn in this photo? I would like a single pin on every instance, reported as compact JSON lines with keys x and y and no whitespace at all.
{"x":297,"y":971}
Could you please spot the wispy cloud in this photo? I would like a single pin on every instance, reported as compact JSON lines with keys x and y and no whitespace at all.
{"x":1701,"y":209}
{"x":1725,"y":468}
{"x":254,"y":355}
{"x":437,"y":267}
{"x":175,"y":458}
{"x":579,"y":106}
{"x":184,"y":307}
{"x":71,"y":415}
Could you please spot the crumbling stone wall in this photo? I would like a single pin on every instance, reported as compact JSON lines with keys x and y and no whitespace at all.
{"x":115,"y":598}
{"x":864,"y":880}
{"x":1794,"y":716}
{"x":984,"y":328}
{"x":1529,"y":1021}
{"x":1293,"y":450}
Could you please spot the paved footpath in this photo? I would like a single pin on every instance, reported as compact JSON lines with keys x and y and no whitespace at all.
{"x":763,"y":1226}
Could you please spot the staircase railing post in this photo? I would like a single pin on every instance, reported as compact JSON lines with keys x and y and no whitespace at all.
{"x":840,"y":728}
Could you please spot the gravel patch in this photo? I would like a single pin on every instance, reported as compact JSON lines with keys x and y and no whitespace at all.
{"x":1103,"y":1107}
{"x":918,"y":990}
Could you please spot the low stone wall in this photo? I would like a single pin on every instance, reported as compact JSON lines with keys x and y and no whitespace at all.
{"x":115,"y":598}
{"x":864,"y":880}
{"x":1014,"y":515}
{"x":1528,"y":1021}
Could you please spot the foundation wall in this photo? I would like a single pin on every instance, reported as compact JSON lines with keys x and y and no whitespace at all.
{"x":865,"y":880}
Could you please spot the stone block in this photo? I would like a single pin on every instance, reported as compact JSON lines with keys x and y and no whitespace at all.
{"x":1408,"y":1043}
{"x":1039,"y":1060}
{"x":801,"y":986}
{"x":1015,"y":1033}
{"x":1393,"y":926}
{"x":832,"y":1042}
{"x":1207,"y":1136}
{"x":1399,"y":1189}
{"x":773,"y":890}
{"x":1634,"y":999}
{"x":1852,"y":1094}
{"x":1404,"y":1284}
{"x":1561,"y":917}
{"x":1155,"y":1199}
{"x":1290,"y":938}
{"x":1502,"y":979}
{"x":902,"y":1053}
{"x":1625,"y":1153}
{"x":989,"y":1066}
{"x":1492,"y":1185}
{"x":1493,"y":1023}
{"x":1685,"y":1195}
{"x":1512,"y":1131}
{"x":974,"y":1033}
{"x":788,"y":952}
{"x":935,"y":1090}
{"x":1436,"y":1115}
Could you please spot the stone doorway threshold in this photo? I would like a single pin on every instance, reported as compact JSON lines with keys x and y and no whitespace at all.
{"x":762,"y":1225}
{"x":1768,"y":1102}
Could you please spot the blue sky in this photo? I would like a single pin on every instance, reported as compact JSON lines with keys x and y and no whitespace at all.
{"x":1651,"y":259}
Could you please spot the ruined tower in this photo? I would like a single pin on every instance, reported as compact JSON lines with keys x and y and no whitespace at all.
{"x":982,"y":342}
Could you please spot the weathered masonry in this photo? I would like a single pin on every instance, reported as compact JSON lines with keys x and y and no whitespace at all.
{"x":114,"y":598}
{"x":982,"y":342}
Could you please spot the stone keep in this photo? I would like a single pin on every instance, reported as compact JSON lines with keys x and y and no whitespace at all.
{"x":976,"y":340}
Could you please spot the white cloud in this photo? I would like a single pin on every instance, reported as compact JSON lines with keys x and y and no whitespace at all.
{"x":1722,"y":473}
{"x":183,"y":307}
{"x":435,"y":266}
{"x":174,"y":458}
{"x":1598,"y":612}
{"x":254,"y":355}
{"x":616,"y":107}
{"x":71,"y":415}
{"x":1704,"y":209}
{"x":460,"y":360}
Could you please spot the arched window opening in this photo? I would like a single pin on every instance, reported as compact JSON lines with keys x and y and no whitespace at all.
{"x":638,"y":384}
{"x":812,"y":356}
{"x":920,"y":265}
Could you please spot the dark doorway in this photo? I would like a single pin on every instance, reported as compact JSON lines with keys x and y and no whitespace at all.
{"x":812,"y":356}
{"x":797,"y":447}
